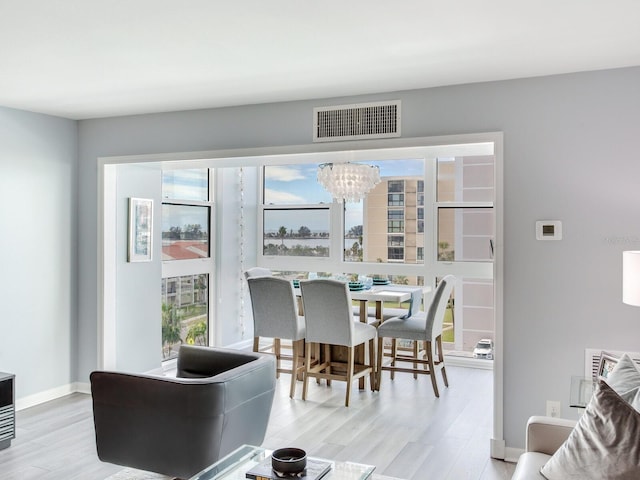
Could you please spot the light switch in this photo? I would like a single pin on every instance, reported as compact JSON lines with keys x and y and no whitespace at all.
{"x":549,"y":230}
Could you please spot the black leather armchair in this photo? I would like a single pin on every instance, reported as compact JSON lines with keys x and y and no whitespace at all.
{"x":220,"y":400}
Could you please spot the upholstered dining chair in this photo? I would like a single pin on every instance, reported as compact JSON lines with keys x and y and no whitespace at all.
{"x":275,"y":317}
{"x":423,"y":327}
{"x":257,"y":272}
{"x":330,"y":322}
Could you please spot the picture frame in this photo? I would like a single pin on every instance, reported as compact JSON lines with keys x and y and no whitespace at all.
{"x":140,"y":245}
{"x":607,"y":362}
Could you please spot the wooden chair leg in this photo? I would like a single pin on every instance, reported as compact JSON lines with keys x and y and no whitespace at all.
{"x":441,"y":360}
{"x":379,"y":362}
{"x":256,"y":344}
{"x":416,"y":349}
{"x":327,"y":358}
{"x":394,"y":352}
{"x":276,"y":351}
{"x":307,"y":368}
{"x":432,"y":373}
{"x":372,"y":364}
{"x":350,"y":361}
{"x":295,"y":352}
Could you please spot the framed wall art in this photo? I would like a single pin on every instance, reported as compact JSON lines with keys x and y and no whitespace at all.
{"x":140,"y":229}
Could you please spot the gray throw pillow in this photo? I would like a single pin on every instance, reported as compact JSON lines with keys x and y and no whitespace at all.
{"x":603,"y":445}
{"x":625,"y":375}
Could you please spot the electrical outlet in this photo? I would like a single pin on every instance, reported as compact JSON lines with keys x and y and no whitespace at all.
{"x":553,"y":408}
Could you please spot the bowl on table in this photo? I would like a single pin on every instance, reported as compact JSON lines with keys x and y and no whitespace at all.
{"x":289,"y":460}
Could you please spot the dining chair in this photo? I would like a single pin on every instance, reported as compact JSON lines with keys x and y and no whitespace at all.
{"x":423,"y":327}
{"x":330,"y":322}
{"x":257,"y":272}
{"x":275,"y":317}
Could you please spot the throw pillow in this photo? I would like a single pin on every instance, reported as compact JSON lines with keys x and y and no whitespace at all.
{"x":604,"y":443}
{"x":632,"y":397}
{"x":625,"y":375}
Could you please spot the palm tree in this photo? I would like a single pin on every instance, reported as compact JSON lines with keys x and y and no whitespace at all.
{"x":282,"y":232}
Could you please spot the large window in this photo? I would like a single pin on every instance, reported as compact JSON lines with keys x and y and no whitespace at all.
{"x":429,"y":213}
{"x":186,"y":254}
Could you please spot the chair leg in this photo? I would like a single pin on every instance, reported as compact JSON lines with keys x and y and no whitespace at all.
{"x":441,"y":360}
{"x":379,"y":363}
{"x":416,"y":349}
{"x":372,"y":364}
{"x":350,"y":362}
{"x":394,"y":352}
{"x":327,"y":358}
{"x":432,"y":373}
{"x":295,"y":351}
{"x":256,"y":344}
{"x":307,"y":368}
{"x":276,"y":350}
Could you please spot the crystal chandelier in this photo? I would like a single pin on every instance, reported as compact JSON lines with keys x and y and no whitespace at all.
{"x":348,"y":182}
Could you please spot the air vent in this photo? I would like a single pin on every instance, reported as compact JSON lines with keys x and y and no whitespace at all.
{"x":355,"y":122}
{"x":592,"y":360}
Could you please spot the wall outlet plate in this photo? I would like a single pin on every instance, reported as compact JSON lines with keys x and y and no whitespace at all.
{"x":549,"y":230}
{"x":553,"y":408}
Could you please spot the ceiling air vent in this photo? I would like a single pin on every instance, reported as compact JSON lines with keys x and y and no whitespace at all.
{"x":355,"y":122}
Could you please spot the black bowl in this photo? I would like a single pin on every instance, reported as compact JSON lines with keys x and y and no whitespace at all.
{"x":289,"y":460}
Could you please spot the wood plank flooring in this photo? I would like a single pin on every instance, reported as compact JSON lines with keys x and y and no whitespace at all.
{"x":402,"y":429}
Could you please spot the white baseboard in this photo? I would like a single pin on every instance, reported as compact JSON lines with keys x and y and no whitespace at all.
{"x":512,"y":454}
{"x":52,"y":394}
{"x":468,"y":362}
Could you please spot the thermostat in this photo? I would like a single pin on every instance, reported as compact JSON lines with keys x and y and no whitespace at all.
{"x":549,"y":230}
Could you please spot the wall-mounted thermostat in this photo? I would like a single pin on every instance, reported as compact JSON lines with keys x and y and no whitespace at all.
{"x":549,"y":230}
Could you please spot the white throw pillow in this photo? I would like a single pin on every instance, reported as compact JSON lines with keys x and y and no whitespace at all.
{"x":603,"y":445}
{"x":625,"y":375}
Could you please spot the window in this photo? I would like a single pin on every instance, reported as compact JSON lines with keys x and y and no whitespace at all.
{"x":395,"y":199}
{"x":186,"y":255}
{"x":396,"y":240}
{"x":425,"y":211}
{"x":395,"y":253}
{"x":395,"y":221}
{"x":395,"y":186}
{"x":298,"y":232}
{"x":185,"y":312}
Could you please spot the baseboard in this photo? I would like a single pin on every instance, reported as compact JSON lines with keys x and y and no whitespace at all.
{"x":512,"y":454}
{"x":52,"y":394}
{"x":468,"y":362}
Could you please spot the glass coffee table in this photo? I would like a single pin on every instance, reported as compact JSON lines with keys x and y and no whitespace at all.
{"x":237,"y":463}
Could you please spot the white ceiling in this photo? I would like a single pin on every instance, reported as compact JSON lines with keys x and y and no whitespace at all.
{"x":97,"y":58}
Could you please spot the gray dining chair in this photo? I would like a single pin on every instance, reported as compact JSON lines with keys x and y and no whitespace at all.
{"x":275,"y":317}
{"x":257,"y":272}
{"x":423,"y":327}
{"x":330,"y":322}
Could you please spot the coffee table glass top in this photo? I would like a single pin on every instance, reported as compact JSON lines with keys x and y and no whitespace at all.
{"x":237,"y":463}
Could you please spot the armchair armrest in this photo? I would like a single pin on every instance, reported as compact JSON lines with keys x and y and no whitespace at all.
{"x":546,"y":434}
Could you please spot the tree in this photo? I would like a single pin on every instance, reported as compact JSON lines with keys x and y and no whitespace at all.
{"x":355,"y":231}
{"x":282,"y":232}
{"x":170,"y":328}
{"x":304,"y":232}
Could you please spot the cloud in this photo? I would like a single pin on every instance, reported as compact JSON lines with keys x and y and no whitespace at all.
{"x":277,"y":173}
{"x":278,"y":197}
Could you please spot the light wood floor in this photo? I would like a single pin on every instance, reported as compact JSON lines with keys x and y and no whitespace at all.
{"x":403,"y":430}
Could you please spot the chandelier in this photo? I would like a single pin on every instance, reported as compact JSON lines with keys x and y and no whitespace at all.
{"x":348,"y":182}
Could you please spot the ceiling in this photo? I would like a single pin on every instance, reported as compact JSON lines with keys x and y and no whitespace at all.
{"x":97,"y":58}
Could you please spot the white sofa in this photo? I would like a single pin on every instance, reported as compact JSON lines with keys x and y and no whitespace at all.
{"x":544,"y":437}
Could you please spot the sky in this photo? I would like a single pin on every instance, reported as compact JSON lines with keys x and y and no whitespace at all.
{"x":284,"y":185}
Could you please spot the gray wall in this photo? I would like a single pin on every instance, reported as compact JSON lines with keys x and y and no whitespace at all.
{"x":138,"y":310}
{"x":38,"y":291}
{"x":570,"y":154}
